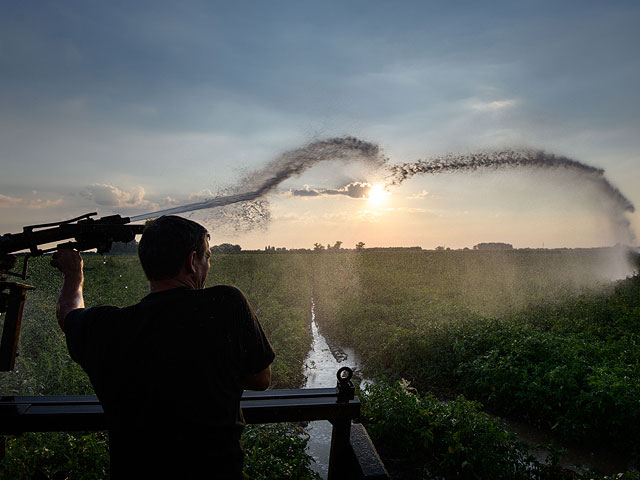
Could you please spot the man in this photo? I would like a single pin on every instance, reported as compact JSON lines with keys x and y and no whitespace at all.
{"x":170,"y":370}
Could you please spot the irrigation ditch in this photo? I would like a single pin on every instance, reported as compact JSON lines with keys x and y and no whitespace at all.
{"x":325,"y":358}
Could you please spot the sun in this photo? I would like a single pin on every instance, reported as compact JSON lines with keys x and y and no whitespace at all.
{"x":377,"y":194}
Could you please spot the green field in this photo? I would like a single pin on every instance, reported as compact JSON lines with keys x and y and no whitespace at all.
{"x":280,"y":292}
{"x":538,"y":336}
{"x":541,"y":336}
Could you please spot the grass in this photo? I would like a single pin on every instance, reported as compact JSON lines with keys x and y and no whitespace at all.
{"x":543,"y":336}
{"x":280,"y":293}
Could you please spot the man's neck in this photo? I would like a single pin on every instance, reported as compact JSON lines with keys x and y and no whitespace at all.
{"x":175,"y":282}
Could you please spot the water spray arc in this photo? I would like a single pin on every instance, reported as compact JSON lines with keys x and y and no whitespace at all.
{"x":527,"y":159}
{"x":289,"y":164}
{"x":214,"y":202}
{"x":509,"y":159}
{"x":347,"y":149}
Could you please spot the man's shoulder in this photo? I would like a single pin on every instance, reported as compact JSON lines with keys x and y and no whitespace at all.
{"x":222,"y":295}
{"x":225,"y":291}
{"x":92,"y":312}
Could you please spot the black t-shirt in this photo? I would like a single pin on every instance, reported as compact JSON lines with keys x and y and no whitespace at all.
{"x":168,"y":373}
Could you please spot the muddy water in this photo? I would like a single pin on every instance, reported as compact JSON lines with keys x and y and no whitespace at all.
{"x":606,"y":461}
{"x":321,"y":367}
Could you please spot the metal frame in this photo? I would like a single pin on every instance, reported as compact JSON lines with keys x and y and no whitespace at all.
{"x":20,"y":414}
{"x":12,"y":297}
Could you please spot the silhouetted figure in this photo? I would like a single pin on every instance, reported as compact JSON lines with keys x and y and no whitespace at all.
{"x":169,"y":370}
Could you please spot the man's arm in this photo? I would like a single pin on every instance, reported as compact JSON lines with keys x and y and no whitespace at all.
{"x":255,"y":350}
{"x":69,"y":262}
{"x":257,"y":381}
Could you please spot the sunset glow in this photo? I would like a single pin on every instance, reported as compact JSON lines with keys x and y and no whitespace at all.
{"x":144,"y":115}
{"x":378,"y":195}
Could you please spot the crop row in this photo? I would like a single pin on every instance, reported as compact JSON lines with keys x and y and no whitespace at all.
{"x":541,"y":339}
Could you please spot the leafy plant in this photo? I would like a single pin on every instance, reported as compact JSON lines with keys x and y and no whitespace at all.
{"x":277,"y":451}
{"x":443,"y":439}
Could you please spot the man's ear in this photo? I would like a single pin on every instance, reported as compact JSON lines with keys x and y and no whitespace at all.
{"x":190,"y":262}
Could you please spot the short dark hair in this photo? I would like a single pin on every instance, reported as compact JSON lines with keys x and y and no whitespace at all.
{"x":167,"y":242}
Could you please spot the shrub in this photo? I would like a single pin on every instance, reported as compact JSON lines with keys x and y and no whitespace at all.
{"x":423,"y":437}
{"x":443,"y":439}
{"x":277,"y":451}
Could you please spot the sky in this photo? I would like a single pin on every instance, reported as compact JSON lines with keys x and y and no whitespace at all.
{"x":131,"y":107}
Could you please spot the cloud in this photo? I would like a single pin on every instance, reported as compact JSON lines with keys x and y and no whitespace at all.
{"x":168,"y":200}
{"x":110,"y":196}
{"x":40,"y":203}
{"x":353,"y":190}
{"x":493,"y":106}
{"x":8,"y":202}
{"x":410,"y":210}
{"x":419,"y":196}
{"x":369,"y":215}
{"x":204,"y":194}
{"x":292,"y":216}
{"x":35,"y":203}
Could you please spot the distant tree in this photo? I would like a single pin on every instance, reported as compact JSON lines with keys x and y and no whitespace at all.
{"x":122,"y":248}
{"x":318,"y":247}
{"x":493,"y":246}
{"x":440,"y":248}
{"x":226,"y":248}
{"x":360,"y":246}
{"x":337,"y":245}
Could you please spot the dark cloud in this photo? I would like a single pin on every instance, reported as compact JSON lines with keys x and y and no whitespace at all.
{"x":353,"y":190}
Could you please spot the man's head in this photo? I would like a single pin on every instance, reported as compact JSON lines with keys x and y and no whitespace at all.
{"x":170,"y":245}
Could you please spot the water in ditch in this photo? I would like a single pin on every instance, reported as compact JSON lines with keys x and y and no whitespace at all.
{"x":321,"y":367}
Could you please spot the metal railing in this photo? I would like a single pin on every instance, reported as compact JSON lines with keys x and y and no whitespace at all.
{"x":352,"y":454}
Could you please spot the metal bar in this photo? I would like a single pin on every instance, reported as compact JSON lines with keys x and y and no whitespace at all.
{"x":54,"y":224}
{"x":341,"y":451}
{"x":70,"y":413}
{"x":12,"y":322}
{"x":248,"y":396}
{"x":368,"y":462}
{"x":48,"y":399}
{"x":84,"y":412}
{"x":298,"y":410}
{"x":290,"y":393}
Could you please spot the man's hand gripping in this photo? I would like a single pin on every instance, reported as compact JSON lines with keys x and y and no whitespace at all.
{"x":70,"y":264}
